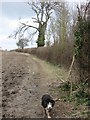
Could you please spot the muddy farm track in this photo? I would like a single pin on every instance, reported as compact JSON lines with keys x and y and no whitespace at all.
{"x":24,"y":80}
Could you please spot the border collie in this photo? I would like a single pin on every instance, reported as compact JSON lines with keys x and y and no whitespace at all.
{"x":47,"y":103}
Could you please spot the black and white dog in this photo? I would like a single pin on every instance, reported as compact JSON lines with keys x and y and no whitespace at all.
{"x":47,"y":103}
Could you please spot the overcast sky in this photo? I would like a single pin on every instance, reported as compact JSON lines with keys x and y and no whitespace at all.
{"x":10,"y":12}
{"x":9,"y":19}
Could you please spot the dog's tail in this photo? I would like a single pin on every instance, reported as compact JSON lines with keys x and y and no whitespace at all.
{"x":57,"y":99}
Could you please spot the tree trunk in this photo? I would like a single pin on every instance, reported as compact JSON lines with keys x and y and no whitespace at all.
{"x":41,"y":36}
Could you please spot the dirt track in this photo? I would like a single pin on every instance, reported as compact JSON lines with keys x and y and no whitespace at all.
{"x":24,"y":80}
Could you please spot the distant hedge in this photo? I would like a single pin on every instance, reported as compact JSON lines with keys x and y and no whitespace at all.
{"x":53,"y":54}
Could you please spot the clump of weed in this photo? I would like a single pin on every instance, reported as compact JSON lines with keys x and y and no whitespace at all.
{"x":79,"y":99}
{"x":79,"y":93}
{"x":65,"y":87}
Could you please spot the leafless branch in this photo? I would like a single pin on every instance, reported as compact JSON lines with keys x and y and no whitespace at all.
{"x":78,"y":10}
{"x":26,"y":25}
{"x":86,"y":8}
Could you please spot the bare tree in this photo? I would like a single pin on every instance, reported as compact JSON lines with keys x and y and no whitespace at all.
{"x":43,"y":11}
{"x":54,"y":30}
{"x":48,"y":36}
{"x":23,"y":42}
{"x":61,"y":23}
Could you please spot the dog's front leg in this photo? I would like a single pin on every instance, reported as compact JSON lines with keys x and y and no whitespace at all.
{"x":45,"y":112}
{"x":48,"y":114}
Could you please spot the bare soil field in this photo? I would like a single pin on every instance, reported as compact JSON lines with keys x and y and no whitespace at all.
{"x":25,"y":79}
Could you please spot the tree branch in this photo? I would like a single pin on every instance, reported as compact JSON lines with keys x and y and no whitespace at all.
{"x":86,"y":8}
{"x":78,"y":11}
{"x":24,"y":25}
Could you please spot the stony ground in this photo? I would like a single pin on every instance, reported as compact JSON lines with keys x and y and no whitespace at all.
{"x":25,"y":79}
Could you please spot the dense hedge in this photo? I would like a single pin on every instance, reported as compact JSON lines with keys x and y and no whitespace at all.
{"x":53,"y":54}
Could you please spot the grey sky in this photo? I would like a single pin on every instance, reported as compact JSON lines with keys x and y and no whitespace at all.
{"x":14,"y":10}
{"x":11,"y":12}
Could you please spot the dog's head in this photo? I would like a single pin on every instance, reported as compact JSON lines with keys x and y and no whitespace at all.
{"x":50,"y":105}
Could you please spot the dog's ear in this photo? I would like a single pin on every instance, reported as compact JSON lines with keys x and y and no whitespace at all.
{"x":53,"y":102}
